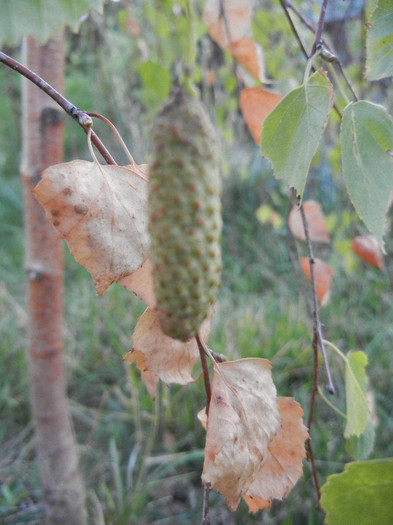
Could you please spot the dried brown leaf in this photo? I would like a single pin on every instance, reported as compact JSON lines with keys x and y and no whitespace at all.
{"x":284,"y":461}
{"x":243,"y":418}
{"x":141,"y":284}
{"x":368,"y":249}
{"x":323,"y":277}
{"x":158,"y":356}
{"x":232,"y":24}
{"x":101,"y":213}
{"x":250,"y":55}
{"x":256,"y":103}
{"x":315,"y":222}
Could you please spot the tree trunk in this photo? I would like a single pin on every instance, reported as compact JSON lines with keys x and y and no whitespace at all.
{"x":42,"y":137}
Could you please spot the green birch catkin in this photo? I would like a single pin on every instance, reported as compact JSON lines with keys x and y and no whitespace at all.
{"x":184,"y":215}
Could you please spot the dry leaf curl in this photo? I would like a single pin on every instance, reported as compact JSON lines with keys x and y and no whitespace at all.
{"x":101,"y":211}
{"x":284,"y":462}
{"x":243,"y":418}
{"x":158,"y":356}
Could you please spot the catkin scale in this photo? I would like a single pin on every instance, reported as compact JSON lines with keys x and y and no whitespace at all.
{"x":184,"y":215}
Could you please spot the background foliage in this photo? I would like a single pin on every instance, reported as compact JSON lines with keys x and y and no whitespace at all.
{"x":142,"y":459}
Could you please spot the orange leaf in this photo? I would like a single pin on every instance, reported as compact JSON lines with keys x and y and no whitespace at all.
{"x":315,"y":222}
{"x":101,"y":211}
{"x":234,"y":24}
{"x":256,"y":103}
{"x":141,"y":284}
{"x":158,"y":356}
{"x":250,"y":55}
{"x":283,"y":466}
{"x":367,"y":248}
{"x":323,"y":276}
{"x":243,"y":418}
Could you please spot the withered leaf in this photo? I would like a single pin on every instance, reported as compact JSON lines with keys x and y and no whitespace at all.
{"x":284,"y":461}
{"x":323,"y":277}
{"x":141,"y":284}
{"x":243,"y":418}
{"x":250,"y":55}
{"x":256,"y":103}
{"x":158,"y":356}
{"x":101,"y":211}
{"x":315,"y":222}
{"x":368,"y":249}
{"x":230,"y":26}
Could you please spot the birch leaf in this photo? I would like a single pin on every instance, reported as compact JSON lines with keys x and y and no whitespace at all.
{"x":367,"y":148}
{"x":250,"y":55}
{"x":158,"y":356}
{"x":284,"y":461}
{"x":379,"y":62}
{"x":256,"y":103}
{"x":292,"y":131}
{"x":355,"y":390}
{"x":101,"y":211}
{"x":228,"y":27}
{"x":361,"y":494}
{"x":243,"y":418}
{"x":368,"y":249}
{"x":315,"y":221}
{"x":323,"y":276}
{"x":141,"y":284}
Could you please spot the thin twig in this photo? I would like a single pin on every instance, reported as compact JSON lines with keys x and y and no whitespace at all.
{"x":312,"y":28}
{"x":205,"y":511}
{"x":319,"y":29}
{"x":313,"y":467}
{"x":205,"y":368}
{"x":317,"y":326}
{"x":285,"y":4}
{"x":82,"y":118}
{"x":224,"y":16}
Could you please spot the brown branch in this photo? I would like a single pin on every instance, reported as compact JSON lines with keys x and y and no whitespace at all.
{"x":205,"y":511}
{"x":313,"y":467}
{"x":224,"y":16}
{"x":319,"y":29}
{"x":82,"y":118}
{"x":317,"y":326}
{"x":312,"y":28}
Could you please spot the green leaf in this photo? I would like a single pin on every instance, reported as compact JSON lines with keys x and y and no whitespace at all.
{"x":362,"y":446}
{"x":156,"y":82}
{"x":355,"y":391}
{"x":292,"y":131}
{"x":379,"y":63}
{"x":40,"y":19}
{"x":360,"y":495}
{"x":367,"y":163}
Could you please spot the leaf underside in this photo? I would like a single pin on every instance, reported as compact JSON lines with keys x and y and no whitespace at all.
{"x":367,"y":165}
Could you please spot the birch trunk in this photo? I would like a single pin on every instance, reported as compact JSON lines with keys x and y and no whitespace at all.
{"x":42,"y":137}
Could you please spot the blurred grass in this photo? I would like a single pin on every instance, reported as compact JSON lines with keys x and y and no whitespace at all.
{"x":142,"y":459}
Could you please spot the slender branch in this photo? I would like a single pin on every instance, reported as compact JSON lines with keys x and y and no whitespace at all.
{"x":313,"y":467}
{"x":285,"y":4}
{"x":205,"y":511}
{"x":82,"y":118}
{"x":319,"y":29}
{"x":315,"y":381}
{"x":205,"y":368}
{"x":312,"y":28}
{"x":224,"y":16}
{"x":317,"y":328}
{"x":203,"y":351}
